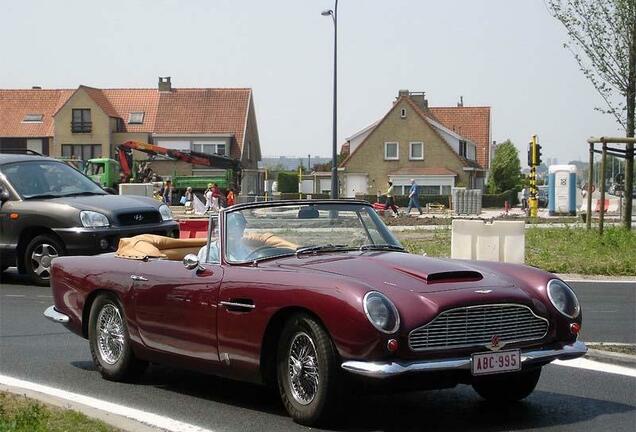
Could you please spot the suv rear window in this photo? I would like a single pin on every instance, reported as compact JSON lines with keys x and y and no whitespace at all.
{"x":48,"y":178}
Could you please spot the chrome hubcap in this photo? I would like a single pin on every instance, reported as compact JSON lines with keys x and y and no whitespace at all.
{"x":41,"y":260}
{"x":303,"y":369}
{"x":110,"y":334}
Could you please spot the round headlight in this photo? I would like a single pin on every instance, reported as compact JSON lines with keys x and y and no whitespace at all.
{"x":91,"y":219}
{"x":166,"y":213}
{"x":381,"y":312}
{"x":563,"y":298}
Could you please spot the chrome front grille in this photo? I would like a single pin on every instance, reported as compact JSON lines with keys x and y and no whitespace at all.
{"x":476,"y":325}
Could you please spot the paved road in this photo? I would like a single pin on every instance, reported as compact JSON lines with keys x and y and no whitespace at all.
{"x":34,"y":349}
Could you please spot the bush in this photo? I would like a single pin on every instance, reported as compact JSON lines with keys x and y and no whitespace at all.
{"x":498,"y":200}
{"x":295,"y":196}
{"x":287,"y":182}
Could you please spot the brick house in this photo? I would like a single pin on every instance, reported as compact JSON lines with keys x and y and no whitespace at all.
{"x":412,"y":141}
{"x":89,"y":122}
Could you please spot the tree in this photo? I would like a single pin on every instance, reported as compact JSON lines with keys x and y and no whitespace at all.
{"x":603,"y":42}
{"x":505,"y":168}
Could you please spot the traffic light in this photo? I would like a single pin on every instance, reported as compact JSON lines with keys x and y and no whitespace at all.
{"x":538,"y":155}
{"x":530,"y":153}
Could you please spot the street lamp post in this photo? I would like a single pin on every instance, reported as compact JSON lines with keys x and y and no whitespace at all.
{"x":334,"y":150}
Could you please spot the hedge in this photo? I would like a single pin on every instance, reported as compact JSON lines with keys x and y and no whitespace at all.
{"x":287,"y":182}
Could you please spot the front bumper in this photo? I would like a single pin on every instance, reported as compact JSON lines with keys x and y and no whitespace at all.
{"x":90,"y":241}
{"x":55,"y":316}
{"x":392,"y":369}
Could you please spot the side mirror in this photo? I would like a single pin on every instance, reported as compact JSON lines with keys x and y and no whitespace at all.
{"x":4,"y":195}
{"x":191,"y":262}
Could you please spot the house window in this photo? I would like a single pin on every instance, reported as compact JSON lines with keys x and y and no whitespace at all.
{"x":81,"y":121}
{"x":136,"y":117}
{"x":403,"y":113}
{"x":430,"y":190}
{"x":217,"y":149}
{"x":462,"y":148}
{"x":119,"y":125}
{"x":391,"y":151}
{"x":33,"y":118}
{"x":416,"y":151}
{"x":81,"y":151}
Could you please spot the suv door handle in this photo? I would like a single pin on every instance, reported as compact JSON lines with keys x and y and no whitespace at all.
{"x":138,"y":278}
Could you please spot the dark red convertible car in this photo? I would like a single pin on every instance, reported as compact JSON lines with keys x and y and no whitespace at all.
{"x":317,"y":298}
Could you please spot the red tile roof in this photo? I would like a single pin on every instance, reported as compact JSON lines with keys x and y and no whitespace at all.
{"x":470,"y":122}
{"x":15,"y":104}
{"x":179,"y":112}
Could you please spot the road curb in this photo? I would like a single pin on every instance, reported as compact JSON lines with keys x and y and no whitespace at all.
{"x":611,"y":357}
{"x":120,"y":422}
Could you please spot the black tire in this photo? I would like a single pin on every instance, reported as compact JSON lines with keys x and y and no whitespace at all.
{"x":47,"y":247}
{"x":327,"y":394}
{"x":126,"y":366}
{"x":508,"y":387}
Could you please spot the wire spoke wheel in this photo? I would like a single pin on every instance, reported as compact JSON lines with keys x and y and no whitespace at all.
{"x":110,"y":334}
{"x":303,"y":372}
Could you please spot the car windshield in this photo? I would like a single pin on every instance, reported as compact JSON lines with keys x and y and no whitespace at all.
{"x":48,"y":178}
{"x":299,"y":229}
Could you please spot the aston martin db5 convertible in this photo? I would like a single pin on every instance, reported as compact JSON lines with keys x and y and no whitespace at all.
{"x":318,"y":299}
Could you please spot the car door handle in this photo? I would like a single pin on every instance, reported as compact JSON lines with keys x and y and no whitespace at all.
{"x":237,"y":307}
{"x":138,"y":278}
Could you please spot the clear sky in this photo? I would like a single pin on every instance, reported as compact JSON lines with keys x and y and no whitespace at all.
{"x":507,"y":54}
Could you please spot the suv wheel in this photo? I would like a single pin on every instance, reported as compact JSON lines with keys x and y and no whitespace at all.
{"x":38,"y":255}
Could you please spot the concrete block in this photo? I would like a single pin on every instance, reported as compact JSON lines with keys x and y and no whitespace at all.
{"x":502,"y":241}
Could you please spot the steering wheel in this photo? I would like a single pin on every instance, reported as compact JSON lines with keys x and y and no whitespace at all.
{"x":256,"y":252}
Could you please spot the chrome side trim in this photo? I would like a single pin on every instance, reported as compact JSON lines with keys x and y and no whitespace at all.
{"x":55,"y":316}
{"x":138,"y":278}
{"x":391,"y":369}
{"x":237,"y":305}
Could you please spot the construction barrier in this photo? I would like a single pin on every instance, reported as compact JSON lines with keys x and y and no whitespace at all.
{"x":502,"y":241}
{"x":193,"y":228}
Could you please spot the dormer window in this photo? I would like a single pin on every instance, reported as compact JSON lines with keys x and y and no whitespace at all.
{"x":33,"y":118}
{"x":136,"y":117}
{"x":403,"y":113}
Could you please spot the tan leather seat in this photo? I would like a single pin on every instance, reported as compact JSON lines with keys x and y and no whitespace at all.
{"x":154,"y":246}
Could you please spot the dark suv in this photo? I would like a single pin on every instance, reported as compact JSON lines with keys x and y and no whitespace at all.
{"x":49,"y":209}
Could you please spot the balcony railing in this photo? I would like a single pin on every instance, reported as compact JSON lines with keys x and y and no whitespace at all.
{"x":81,"y":127}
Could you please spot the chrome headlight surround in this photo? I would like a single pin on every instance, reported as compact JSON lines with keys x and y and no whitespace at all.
{"x":563,"y":298}
{"x":375,"y":305}
{"x":91,"y":219}
{"x":166,"y":213}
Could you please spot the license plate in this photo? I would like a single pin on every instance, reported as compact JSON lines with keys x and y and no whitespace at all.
{"x":496,"y":362}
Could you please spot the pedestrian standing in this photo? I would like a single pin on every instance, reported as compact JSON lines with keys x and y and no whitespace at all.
{"x":389,"y":200}
{"x":167,"y":192}
{"x":208,"y":197}
{"x":229,"y":199}
{"x":216,"y":194}
{"x":413,"y":198}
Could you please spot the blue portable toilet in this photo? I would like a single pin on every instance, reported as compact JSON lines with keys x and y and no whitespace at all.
{"x":562,"y":190}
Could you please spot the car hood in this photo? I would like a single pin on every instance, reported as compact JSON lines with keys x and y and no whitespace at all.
{"x":107,"y":203}
{"x":402,"y":271}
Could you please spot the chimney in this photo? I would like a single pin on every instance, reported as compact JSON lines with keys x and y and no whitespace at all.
{"x":461,"y":101}
{"x":403,"y":92}
{"x":164,"y":84}
{"x":420,"y":99}
{"x":36,"y":88}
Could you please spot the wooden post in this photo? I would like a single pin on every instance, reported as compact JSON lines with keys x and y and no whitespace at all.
{"x":602,"y":187}
{"x":590,"y":180}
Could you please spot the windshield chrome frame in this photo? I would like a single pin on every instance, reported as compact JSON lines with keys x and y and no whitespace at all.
{"x":222,"y":218}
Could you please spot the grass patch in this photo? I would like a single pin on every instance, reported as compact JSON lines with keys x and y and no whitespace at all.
{"x":557,"y":250}
{"x":20,"y":414}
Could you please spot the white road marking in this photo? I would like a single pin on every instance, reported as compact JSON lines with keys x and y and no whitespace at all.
{"x":44,"y":296}
{"x":14,"y":295}
{"x":583,"y":363}
{"x":590,"y":281}
{"x":120,"y":410}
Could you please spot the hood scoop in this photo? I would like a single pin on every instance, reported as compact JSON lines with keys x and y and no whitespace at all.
{"x":444,"y":276}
